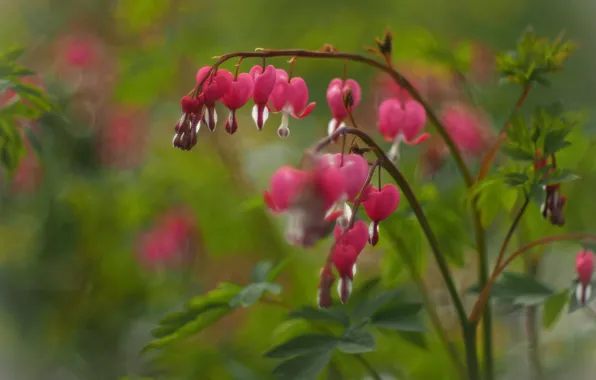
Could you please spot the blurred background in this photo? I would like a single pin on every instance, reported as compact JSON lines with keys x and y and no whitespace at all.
{"x":109,"y":228}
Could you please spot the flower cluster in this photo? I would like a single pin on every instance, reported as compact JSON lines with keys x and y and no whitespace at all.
{"x":271,"y":89}
{"x":317,"y":201}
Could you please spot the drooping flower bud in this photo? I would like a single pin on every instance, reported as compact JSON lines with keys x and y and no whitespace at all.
{"x":379,"y":205}
{"x":239,"y":93}
{"x":264,"y":83}
{"x":584,"y":267}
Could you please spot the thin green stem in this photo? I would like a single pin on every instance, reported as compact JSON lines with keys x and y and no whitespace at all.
{"x":471,"y":354}
{"x":487,"y":325}
{"x":532,"y":330}
{"x":406,"y":257}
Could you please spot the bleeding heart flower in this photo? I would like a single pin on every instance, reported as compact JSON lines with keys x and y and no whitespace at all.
{"x":290,"y":97}
{"x":584,"y":267}
{"x":357,"y":236}
{"x":379,"y":205}
{"x":237,"y":96}
{"x":311,"y":212}
{"x":340,"y":94}
{"x":355,"y":169}
{"x":213,"y":89}
{"x":402,"y":121}
{"x":344,"y":259}
{"x":264,"y":83}
{"x":285,"y":184}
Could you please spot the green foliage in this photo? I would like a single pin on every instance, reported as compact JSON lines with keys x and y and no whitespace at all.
{"x":518,"y":288}
{"x":553,"y":308}
{"x":368,"y":309}
{"x":28,"y":102}
{"x":203,"y":311}
{"x":534,"y":58}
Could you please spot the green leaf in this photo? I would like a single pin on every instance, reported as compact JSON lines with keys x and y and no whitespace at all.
{"x":553,"y":308}
{"x":356,"y":342}
{"x":251,"y":293}
{"x":198,"y":314}
{"x":559,"y":176}
{"x":260,"y":271}
{"x":517,"y":153}
{"x":554,"y":141}
{"x":303,"y":367}
{"x":202,"y":321}
{"x":33,"y":140}
{"x":367,"y":307}
{"x":337,"y":315}
{"x":516,"y":179}
{"x":520,"y":288}
{"x":177,"y":320}
{"x":400,"y":317}
{"x":517,"y":133}
{"x":12,"y":54}
{"x":303,"y":344}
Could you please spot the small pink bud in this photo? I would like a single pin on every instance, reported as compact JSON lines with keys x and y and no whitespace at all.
{"x":584,"y":266}
{"x":402,"y":120}
{"x":326,"y":280}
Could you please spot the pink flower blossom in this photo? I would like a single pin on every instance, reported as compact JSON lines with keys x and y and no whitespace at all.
{"x":212,"y":90}
{"x":467,"y":127}
{"x":354,"y":169}
{"x":264,"y":83}
{"x":402,"y":121}
{"x":337,"y":92}
{"x":285,"y":184}
{"x":168,"y":242}
{"x":237,"y":96}
{"x":379,"y":205}
{"x":290,"y":97}
{"x":584,"y":267}
{"x":122,"y":139}
{"x":309,"y":198}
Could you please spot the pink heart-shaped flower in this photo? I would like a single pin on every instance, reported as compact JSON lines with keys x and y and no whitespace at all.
{"x":379,"y":205}
{"x":356,"y":237}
